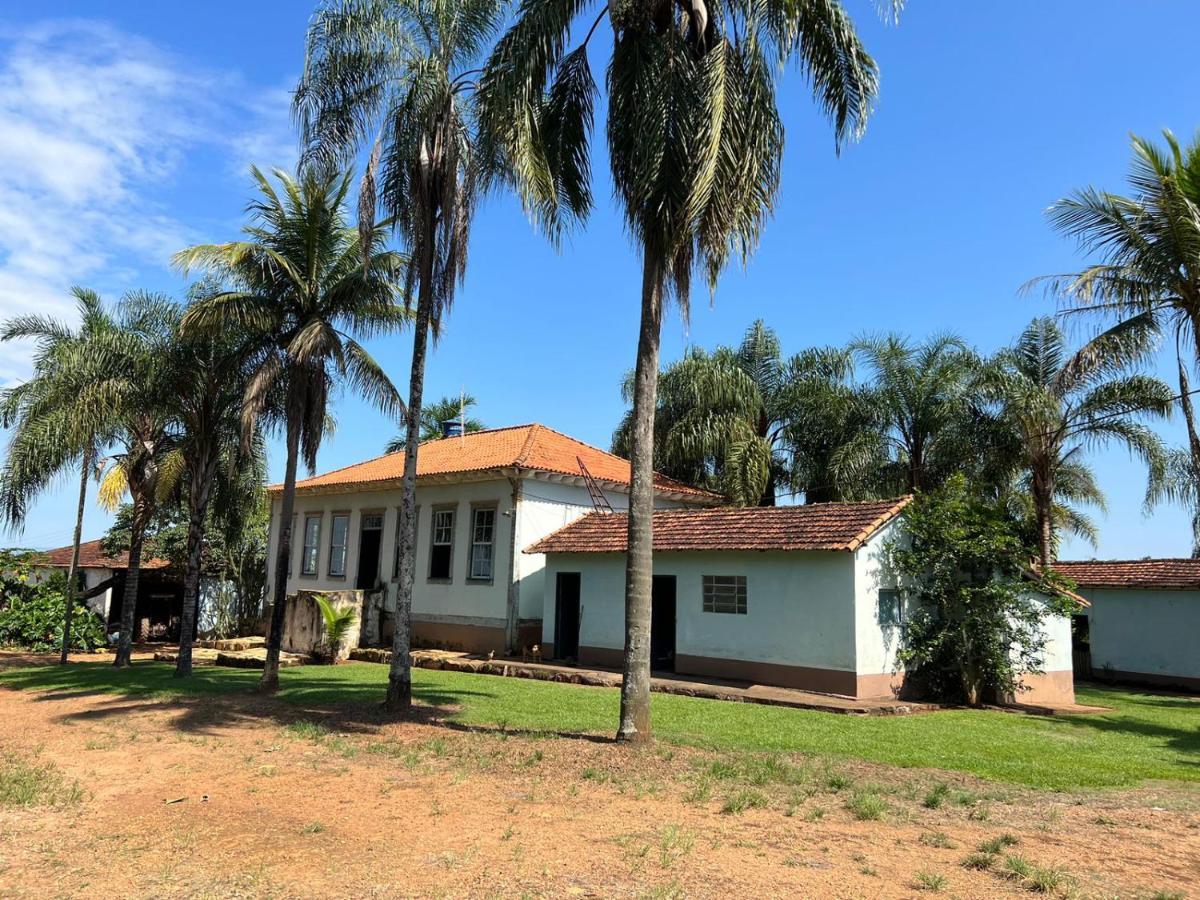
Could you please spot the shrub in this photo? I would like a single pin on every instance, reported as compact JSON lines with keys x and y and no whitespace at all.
{"x":337,"y":624}
{"x":32,"y":611}
{"x":867,"y":806}
{"x":975,"y":626}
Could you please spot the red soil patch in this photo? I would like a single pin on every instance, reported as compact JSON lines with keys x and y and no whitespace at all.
{"x":378,"y":809}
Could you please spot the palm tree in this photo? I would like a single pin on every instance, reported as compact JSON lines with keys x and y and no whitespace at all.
{"x":1062,"y":404}
{"x":130,"y":378}
{"x":1148,"y":267}
{"x":433,"y":416}
{"x":835,"y":432}
{"x":924,"y":393}
{"x":48,"y":436}
{"x":399,"y":75}
{"x":299,"y":288}
{"x":721,"y":418}
{"x":212,"y":372}
{"x":695,"y":145}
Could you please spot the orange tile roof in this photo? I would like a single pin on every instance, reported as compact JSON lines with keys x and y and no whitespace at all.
{"x":1162,"y":574}
{"x":92,"y":556}
{"x":815,"y":526}
{"x":533,"y":447}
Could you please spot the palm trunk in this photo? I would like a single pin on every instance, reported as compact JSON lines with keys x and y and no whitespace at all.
{"x":270,"y":676}
{"x":198,"y":497}
{"x":1043,"y":503}
{"x":85,"y":465}
{"x":639,"y":564}
{"x":137,"y":535}
{"x":399,"y":692}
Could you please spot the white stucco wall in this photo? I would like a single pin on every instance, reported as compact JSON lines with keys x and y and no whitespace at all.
{"x":101,"y":603}
{"x":1145,"y":632}
{"x":876,"y":642}
{"x":459,"y":599}
{"x":800,"y":609}
{"x":544,"y":506}
{"x":1056,"y":655}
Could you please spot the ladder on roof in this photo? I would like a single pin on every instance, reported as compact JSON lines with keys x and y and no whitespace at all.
{"x":599,"y":502}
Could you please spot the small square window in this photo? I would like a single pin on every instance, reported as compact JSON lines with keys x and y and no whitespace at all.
{"x":891,"y":608}
{"x":725,"y":594}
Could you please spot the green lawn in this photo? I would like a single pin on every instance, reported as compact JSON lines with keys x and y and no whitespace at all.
{"x":1146,"y":736}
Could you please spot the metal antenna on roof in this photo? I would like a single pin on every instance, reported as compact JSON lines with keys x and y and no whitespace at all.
{"x":599,"y":502}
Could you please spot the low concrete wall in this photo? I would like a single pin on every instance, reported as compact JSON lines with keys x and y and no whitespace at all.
{"x":304,"y":628}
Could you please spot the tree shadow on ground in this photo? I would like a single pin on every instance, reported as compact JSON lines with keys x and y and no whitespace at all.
{"x":1160,"y":717}
{"x":215,"y":699}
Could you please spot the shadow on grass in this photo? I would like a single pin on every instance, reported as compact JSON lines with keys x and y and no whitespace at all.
{"x":1167,"y":718}
{"x":346,"y":698}
{"x":343,"y":698}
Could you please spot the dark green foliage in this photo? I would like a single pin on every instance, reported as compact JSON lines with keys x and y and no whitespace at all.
{"x":32,"y":606}
{"x":974,"y":619}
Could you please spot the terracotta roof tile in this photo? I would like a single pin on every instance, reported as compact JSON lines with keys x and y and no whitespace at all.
{"x":1164,"y":574}
{"x":521,"y":446}
{"x":816,"y":526}
{"x":92,"y":556}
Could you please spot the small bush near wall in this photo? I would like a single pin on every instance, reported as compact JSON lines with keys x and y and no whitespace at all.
{"x":975,"y":622}
{"x":32,"y":610}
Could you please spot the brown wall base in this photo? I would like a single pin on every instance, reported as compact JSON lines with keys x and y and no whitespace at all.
{"x":604,"y":657}
{"x":471,"y":638}
{"x":1048,"y":687}
{"x":1182,"y":682}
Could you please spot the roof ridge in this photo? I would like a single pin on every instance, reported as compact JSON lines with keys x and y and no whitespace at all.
{"x":1144,"y":559}
{"x":523,"y":453}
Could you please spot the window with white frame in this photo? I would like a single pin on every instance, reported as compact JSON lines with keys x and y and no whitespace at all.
{"x":312,"y":545}
{"x":725,"y":594}
{"x":441,"y":544}
{"x":339,"y":535}
{"x":483,"y":540}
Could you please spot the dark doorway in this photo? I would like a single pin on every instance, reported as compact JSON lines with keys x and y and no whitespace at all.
{"x":369,"y":540}
{"x":662,"y":624}
{"x":1081,"y":645}
{"x":566,"y":615}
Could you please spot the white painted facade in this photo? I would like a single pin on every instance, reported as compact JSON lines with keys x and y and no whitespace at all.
{"x":814,"y":619}
{"x":1145,"y":633}
{"x":815,"y":610}
{"x":99,"y":604}
{"x":529,"y":505}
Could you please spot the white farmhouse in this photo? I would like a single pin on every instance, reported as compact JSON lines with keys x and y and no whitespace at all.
{"x":795,"y":596}
{"x":1143,"y":622}
{"x":482,"y":498}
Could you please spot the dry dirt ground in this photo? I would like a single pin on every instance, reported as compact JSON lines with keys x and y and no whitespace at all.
{"x":236,"y":796}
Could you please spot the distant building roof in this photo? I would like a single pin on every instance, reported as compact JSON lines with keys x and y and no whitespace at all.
{"x":815,"y":526}
{"x":1161,"y":574}
{"x":92,"y":556}
{"x":531,"y":447}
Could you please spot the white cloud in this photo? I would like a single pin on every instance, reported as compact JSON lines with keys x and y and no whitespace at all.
{"x":94,"y":125}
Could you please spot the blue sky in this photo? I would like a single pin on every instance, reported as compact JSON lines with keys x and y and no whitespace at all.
{"x":126,"y":134}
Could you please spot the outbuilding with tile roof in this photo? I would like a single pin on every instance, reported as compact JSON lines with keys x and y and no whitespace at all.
{"x":1143,"y":621}
{"x":795,"y":596}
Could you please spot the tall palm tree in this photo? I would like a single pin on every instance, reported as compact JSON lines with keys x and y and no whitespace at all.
{"x":835,"y":433}
{"x":433,"y":416}
{"x":925,"y":393}
{"x":721,"y":417}
{"x":1147,"y":270}
{"x":298,"y":287}
{"x":695,"y":145}
{"x":48,"y":436}
{"x":400,"y":75}
{"x":1061,"y":404}
{"x":212,"y":373}
{"x":130,"y":378}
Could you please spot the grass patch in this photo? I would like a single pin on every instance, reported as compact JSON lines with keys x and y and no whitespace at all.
{"x":305,"y":730}
{"x":936,"y":796}
{"x":867,"y":806}
{"x":930,"y":881}
{"x":27,"y":783}
{"x":938,"y":839}
{"x":1039,"y":879}
{"x":999,"y":843}
{"x":742,"y":801}
{"x":978,"y":860}
{"x":1145,"y":736}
